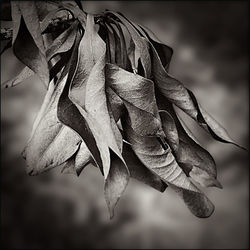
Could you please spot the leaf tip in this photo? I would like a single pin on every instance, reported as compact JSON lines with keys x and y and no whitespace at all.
{"x":217,"y":184}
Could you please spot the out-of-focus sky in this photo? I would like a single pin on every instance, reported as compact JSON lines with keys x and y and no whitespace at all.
{"x":63,"y":211}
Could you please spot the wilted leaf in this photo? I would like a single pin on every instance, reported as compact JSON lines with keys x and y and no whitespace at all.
{"x":91,"y":113}
{"x":77,"y":118}
{"x":195,"y":160}
{"x":121,"y":50}
{"x":138,"y":96}
{"x":175,"y":92}
{"x":51,"y":143}
{"x":116,"y":104}
{"x":162,"y":162}
{"x":164,"y":52}
{"x":170,"y":130}
{"x":69,"y":166}
{"x":110,"y":44}
{"x":140,"y":172}
{"x":28,"y":43}
{"x":63,"y":42}
{"x":89,"y":82}
{"x":137,"y":170}
{"x":131,"y":56}
{"x":141,"y":46}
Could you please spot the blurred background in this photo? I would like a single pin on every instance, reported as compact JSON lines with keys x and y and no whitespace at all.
{"x":210,"y":42}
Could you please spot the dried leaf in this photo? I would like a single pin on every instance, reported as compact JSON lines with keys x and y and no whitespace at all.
{"x":131,"y":56}
{"x":51,"y":143}
{"x":197,"y":203}
{"x":83,"y":158}
{"x":164,"y":52}
{"x":139,"y":172}
{"x":28,"y":43}
{"x":69,"y":166}
{"x":63,"y":42}
{"x":110,"y":44}
{"x":89,"y":81}
{"x":175,"y":92}
{"x":116,"y":104}
{"x":73,"y":116}
{"x":138,"y":96}
{"x":195,"y":160}
{"x":92,"y":83}
{"x":141,"y":45}
{"x":170,"y":130}
{"x":121,"y":50}
{"x":162,"y":162}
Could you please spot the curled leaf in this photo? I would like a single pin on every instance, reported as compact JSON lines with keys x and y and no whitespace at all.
{"x":139,"y":172}
{"x":170,"y":130}
{"x":176,"y":93}
{"x":28,"y":45}
{"x":88,"y":79}
{"x":137,"y":94}
{"x":162,"y":162}
{"x":51,"y":143}
{"x":141,"y":46}
{"x":195,"y":160}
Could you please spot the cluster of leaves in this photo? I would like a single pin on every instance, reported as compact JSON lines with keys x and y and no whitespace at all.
{"x":110,"y":103}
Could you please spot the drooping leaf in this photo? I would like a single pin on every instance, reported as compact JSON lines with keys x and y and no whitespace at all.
{"x":28,"y":45}
{"x":116,"y":182}
{"x":170,"y":130}
{"x":198,"y":203}
{"x":68,"y":167}
{"x":121,"y":50}
{"x":62,"y":44}
{"x":141,"y":46}
{"x":110,"y":44}
{"x":116,"y":104}
{"x":175,"y":92}
{"x":118,"y":47}
{"x":195,"y":160}
{"x":73,"y":116}
{"x":83,"y":158}
{"x":131,"y":56}
{"x":51,"y":143}
{"x":164,"y":52}
{"x":91,"y":96}
{"x":137,"y":94}
{"x":89,"y":110}
{"x":139,"y":172}
{"x":162,"y":162}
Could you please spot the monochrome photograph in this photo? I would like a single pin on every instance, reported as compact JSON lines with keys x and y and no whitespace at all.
{"x":124,"y":124}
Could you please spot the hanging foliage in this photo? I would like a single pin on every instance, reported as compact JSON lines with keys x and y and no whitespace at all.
{"x":110,"y":103}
